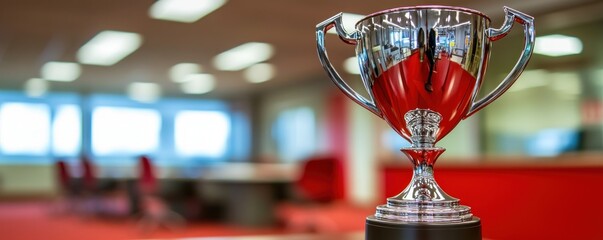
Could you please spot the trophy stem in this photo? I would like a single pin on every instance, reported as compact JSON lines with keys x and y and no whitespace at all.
{"x":423,"y":200}
{"x":423,"y":186}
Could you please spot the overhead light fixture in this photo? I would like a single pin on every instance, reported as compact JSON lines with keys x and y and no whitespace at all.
{"x":598,"y":76}
{"x":243,"y":56}
{"x":565,"y":83}
{"x":108,"y":48}
{"x":351,"y":65}
{"x":61,"y":71}
{"x":349,"y":21}
{"x":179,"y":71}
{"x":557,"y":45}
{"x":530,"y":79}
{"x":198,"y":83}
{"x":183,"y":10}
{"x":260,"y":72}
{"x":144,"y":91}
{"x":36,"y":87}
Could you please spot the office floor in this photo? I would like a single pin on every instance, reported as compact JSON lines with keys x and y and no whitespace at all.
{"x":25,"y":220}
{"x":36,"y":220}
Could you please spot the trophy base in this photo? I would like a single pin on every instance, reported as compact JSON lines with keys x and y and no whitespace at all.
{"x":387,"y":230}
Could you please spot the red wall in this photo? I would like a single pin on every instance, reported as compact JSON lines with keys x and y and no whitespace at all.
{"x":337,"y":124}
{"x":522,"y":202}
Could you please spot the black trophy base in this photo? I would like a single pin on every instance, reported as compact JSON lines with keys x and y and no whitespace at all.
{"x":387,"y":230}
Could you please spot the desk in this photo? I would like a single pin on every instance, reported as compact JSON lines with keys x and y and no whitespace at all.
{"x":348,"y":236}
{"x":251,"y":190}
{"x":251,"y":172}
{"x":247,"y":192}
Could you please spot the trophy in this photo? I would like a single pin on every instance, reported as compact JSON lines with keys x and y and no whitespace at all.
{"x":422,"y":68}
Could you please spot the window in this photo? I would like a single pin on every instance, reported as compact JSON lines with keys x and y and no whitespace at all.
{"x":392,"y":141}
{"x":67,"y":130}
{"x":125,"y":131}
{"x":115,"y":130}
{"x":552,"y":142}
{"x":24,"y":128}
{"x":201,"y":133}
{"x":294,"y":132}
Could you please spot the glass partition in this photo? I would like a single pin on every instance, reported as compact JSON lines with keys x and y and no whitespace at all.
{"x":556,"y":106}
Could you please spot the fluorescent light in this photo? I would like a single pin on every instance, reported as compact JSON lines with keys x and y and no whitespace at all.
{"x":243,"y":56}
{"x":198,"y":83}
{"x":199,"y":77}
{"x":144,"y":91}
{"x":260,"y":72}
{"x":567,"y":83}
{"x":597,"y":75}
{"x":61,"y":71}
{"x":179,"y":71}
{"x":530,"y":79}
{"x":183,"y":10}
{"x":351,"y":65}
{"x":557,"y":45}
{"x":36,"y":87}
{"x":349,"y":21}
{"x":108,"y":48}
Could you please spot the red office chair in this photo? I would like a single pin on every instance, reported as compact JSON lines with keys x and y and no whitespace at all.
{"x":155,"y":211}
{"x":63,"y":176}
{"x":67,"y":195}
{"x":146,"y":181}
{"x":88,"y":180}
{"x":318,"y":187}
{"x":320,"y":179}
{"x":102,"y":199}
{"x":87,"y":188}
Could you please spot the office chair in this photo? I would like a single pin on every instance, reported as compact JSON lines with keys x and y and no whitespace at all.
{"x":317,"y":191}
{"x":154,"y":210}
{"x":67,"y":194}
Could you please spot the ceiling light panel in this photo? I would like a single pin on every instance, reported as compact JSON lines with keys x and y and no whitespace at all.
{"x":198,"y":84}
{"x":260,"y":72}
{"x":144,"y":91}
{"x":180,"y":71}
{"x":187,"y":11}
{"x":557,"y":45}
{"x":349,"y":21}
{"x":109,"y":47}
{"x":351,"y":65}
{"x":36,"y":87}
{"x":243,"y":56}
{"x":530,"y":79}
{"x":61,"y":71}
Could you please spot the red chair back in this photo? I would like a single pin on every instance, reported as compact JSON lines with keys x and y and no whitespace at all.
{"x":88,"y":174}
{"x":63,"y":174}
{"x":319,"y":180}
{"x":146,"y":179}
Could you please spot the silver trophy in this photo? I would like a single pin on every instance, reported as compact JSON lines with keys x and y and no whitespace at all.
{"x":422,"y":68}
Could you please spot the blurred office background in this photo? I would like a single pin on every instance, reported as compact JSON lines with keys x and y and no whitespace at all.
{"x":228,"y":134}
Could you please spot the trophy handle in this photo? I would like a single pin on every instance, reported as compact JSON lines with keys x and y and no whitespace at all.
{"x":348,"y":38}
{"x":511,"y":16}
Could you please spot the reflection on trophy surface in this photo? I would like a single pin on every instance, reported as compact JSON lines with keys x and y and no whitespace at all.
{"x":422,"y":68}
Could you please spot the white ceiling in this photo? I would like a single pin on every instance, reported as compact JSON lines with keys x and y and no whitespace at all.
{"x":33,"y":32}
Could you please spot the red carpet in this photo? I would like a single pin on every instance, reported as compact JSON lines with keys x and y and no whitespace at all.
{"x":34,"y":220}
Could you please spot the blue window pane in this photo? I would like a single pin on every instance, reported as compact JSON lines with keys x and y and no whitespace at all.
{"x":294,"y":132}
{"x":241,"y":137}
{"x":393,"y":141}
{"x":201,"y":133}
{"x":67,"y":130}
{"x":24,"y":128}
{"x":552,"y":142}
{"x":125,"y":131}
